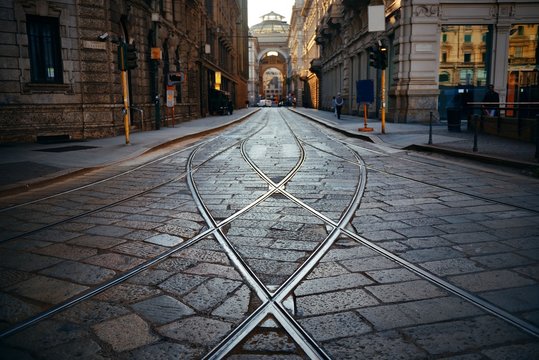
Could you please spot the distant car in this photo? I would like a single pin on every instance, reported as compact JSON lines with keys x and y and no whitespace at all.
{"x":262,"y":103}
{"x":268,"y":103}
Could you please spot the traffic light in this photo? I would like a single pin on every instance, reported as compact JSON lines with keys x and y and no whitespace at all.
{"x":382,"y":58}
{"x":132,"y":57}
{"x":373,"y":56}
{"x":378,"y":57}
{"x":127,"y":57}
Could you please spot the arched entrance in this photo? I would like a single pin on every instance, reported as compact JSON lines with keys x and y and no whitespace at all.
{"x":272,"y":67}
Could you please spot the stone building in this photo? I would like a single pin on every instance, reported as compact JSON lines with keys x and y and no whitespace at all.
{"x":304,"y":50}
{"x":273,"y":57}
{"x":441,"y":53}
{"x":60,"y":64}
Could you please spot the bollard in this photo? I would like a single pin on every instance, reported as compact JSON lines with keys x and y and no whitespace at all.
{"x":476,"y":126}
{"x":430,"y":129}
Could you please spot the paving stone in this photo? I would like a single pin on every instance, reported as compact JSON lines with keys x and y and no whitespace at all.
{"x":24,"y":261}
{"x":78,"y":349}
{"x":405,"y":291}
{"x":211,"y":293}
{"x":45,"y":335}
{"x":490,"y":280}
{"x":216,"y":257}
{"x":380,"y":346}
{"x":13,"y":310}
{"x":463,"y":335}
{"x":321,"y":304}
{"x":333,"y":326}
{"x":524,"y":352}
{"x":125,"y":333}
{"x":424,"y":255}
{"x":80,"y":273}
{"x":67,"y":251}
{"x":452,"y":267}
{"x":140,"y":249}
{"x":127,"y":293}
{"x":269,"y":341}
{"x":391,"y":275}
{"x":109,"y":230}
{"x":500,"y":261}
{"x":115,"y":261}
{"x":517,"y":299}
{"x":181,"y":284}
{"x":162,"y":309}
{"x":368,"y":264}
{"x":196,"y":330}
{"x":165,"y":351}
{"x":236,"y":306}
{"x":339,"y":282}
{"x":46,"y":289}
{"x":206,"y":269}
{"x":150,"y":277}
{"x":100,"y":242}
{"x":165,"y":240}
{"x":92,"y":312}
{"x":394,"y":316}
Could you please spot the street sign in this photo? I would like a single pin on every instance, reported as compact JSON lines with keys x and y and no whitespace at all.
{"x":171,"y":100}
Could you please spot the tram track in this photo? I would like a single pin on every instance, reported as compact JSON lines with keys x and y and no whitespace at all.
{"x":272,"y":305}
{"x":273,"y":299}
{"x":57,"y":308}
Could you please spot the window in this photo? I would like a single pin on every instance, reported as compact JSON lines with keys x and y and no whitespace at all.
{"x":44,"y":49}
{"x":467,"y":57}
{"x":467,"y":38}
{"x":444,"y":38}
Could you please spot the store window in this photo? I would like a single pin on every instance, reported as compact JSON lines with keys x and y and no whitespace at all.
{"x":464,"y":70}
{"x":523,"y":65}
{"x":44,"y":49}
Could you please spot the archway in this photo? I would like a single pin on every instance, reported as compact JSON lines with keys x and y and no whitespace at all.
{"x":272,"y":65}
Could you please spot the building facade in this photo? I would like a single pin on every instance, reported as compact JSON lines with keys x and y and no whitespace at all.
{"x":61,"y":77}
{"x":441,"y":53}
{"x":272,"y":59}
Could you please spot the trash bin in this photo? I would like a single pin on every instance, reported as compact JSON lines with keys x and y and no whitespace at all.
{"x":453,"y":119}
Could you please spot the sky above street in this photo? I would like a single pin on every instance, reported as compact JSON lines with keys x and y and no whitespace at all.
{"x":257,"y":8}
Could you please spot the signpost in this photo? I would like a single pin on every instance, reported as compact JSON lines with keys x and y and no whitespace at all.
{"x":365,"y":95}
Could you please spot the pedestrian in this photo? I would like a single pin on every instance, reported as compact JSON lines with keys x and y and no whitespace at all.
{"x":339,"y":101}
{"x":333,"y":107}
{"x":230,"y":107}
{"x":492,"y":97}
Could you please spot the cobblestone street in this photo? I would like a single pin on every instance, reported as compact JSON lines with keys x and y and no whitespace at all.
{"x":275,"y":239}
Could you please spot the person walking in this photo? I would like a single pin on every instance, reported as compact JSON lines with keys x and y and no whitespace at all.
{"x":493,"y":97}
{"x":333,"y":106}
{"x":339,"y":102}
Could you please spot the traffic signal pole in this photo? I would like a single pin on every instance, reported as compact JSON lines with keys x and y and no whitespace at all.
{"x":383,"y":100}
{"x":126,"y":112}
{"x":125,"y":91}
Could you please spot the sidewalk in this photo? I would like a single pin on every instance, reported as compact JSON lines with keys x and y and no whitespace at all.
{"x":492,"y":149}
{"x":27,"y":165}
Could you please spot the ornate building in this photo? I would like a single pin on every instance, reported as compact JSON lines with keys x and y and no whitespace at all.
{"x":273,"y":57}
{"x":441,"y":53}
{"x":60,"y":64}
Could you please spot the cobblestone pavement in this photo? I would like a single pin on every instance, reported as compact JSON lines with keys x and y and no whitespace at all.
{"x":277,"y":239}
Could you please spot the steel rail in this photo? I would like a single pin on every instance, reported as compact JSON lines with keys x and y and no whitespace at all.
{"x":471,"y":298}
{"x":493,"y":201}
{"x":130,"y":197}
{"x":11,"y":330}
{"x":308,"y":345}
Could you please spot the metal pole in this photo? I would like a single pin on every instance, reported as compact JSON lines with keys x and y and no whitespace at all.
{"x":537,"y":137}
{"x":476,"y":126}
{"x":383,"y":98}
{"x":430,"y":129}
